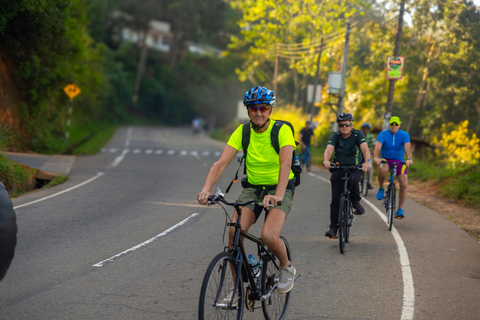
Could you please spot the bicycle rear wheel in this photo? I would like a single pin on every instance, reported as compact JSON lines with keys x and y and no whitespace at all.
{"x":342,"y":224}
{"x":275,"y":307}
{"x":216,"y":286}
{"x":365,"y":183}
{"x":360,"y":183}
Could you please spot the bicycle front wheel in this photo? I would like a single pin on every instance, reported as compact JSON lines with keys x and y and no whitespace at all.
{"x":391,"y":205}
{"x":342,"y":224}
{"x":275,"y":306}
{"x":215,"y":295}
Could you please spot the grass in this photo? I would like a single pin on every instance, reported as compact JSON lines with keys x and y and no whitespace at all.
{"x":16,"y":177}
{"x":96,"y":142}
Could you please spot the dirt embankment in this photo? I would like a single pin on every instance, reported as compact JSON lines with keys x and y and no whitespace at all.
{"x":10,"y":98}
{"x":427,"y":194}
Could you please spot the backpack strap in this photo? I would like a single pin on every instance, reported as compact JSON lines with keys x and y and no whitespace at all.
{"x":275,"y":132}
{"x":245,"y":143}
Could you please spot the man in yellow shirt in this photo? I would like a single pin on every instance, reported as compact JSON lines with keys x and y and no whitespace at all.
{"x":269,"y":174}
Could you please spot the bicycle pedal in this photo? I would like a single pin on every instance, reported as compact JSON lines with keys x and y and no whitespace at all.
{"x":297,"y":277}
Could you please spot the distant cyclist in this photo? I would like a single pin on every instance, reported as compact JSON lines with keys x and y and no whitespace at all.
{"x":350,"y":149}
{"x":370,"y":137}
{"x":392,"y":144}
{"x":305,"y":136}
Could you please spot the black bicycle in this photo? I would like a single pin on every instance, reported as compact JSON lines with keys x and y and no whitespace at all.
{"x":389,"y":198}
{"x":222,"y":295}
{"x":364,"y":183}
{"x":346,"y":215}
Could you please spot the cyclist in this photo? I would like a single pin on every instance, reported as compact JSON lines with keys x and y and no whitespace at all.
{"x":347,"y":144}
{"x":270,"y":178}
{"x":8,"y":231}
{"x":392,"y":144}
{"x":305,"y":137}
{"x":370,"y":137}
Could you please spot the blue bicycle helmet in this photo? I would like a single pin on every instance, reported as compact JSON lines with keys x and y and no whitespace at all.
{"x":344,"y":117}
{"x":366,"y":125}
{"x":259,"y":95}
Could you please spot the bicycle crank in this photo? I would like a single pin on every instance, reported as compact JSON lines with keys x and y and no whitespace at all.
{"x":249,"y":303}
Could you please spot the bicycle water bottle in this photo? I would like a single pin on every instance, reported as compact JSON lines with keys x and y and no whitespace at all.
{"x":252,"y":261}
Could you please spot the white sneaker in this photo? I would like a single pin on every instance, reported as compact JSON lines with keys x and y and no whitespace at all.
{"x":228,"y":298}
{"x":286,"y":278}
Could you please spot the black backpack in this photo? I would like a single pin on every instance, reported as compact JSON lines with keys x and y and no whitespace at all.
{"x":296,"y":167}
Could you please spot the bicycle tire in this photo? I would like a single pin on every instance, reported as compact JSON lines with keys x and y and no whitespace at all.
{"x":365,"y":182}
{"x":360,"y":183}
{"x":390,"y":205}
{"x":217,"y":282}
{"x":342,"y":224}
{"x":349,"y":220}
{"x":275,"y":307}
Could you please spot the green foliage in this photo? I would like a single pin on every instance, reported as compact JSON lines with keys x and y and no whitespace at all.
{"x":458,"y":146}
{"x":15,"y":176}
{"x":465,"y":187}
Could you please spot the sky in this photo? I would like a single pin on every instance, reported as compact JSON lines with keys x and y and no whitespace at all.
{"x":477,"y":2}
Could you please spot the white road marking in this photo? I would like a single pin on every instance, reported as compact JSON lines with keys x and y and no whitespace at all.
{"x":61,"y":192}
{"x":205,"y":153}
{"x":159,"y":152}
{"x":183,"y":153}
{"x":119,"y":158}
{"x":137,"y":151}
{"x":218,"y":153}
{"x":408,"y":287}
{"x":149,"y":151}
{"x":170,"y":152}
{"x":143,"y":244}
{"x":129,"y":135}
{"x":113,"y":150}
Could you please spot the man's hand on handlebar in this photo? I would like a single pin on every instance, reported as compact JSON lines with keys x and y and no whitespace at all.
{"x":202,"y":197}
{"x":327,"y":164}
{"x":271,"y":199}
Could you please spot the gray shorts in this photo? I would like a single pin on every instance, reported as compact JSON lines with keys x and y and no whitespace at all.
{"x":249,"y":194}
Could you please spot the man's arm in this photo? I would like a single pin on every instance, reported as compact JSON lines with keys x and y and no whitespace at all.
{"x":376,"y":152}
{"x":408,"y":151}
{"x":327,"y":154}
{"x":314,"y":139}
{"x":366,"y":156}
{"x":285,"y":156}
{"x":215,"y":172}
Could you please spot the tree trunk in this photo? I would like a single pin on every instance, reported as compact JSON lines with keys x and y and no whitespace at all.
{"x":421,"y":92}
{"x":140,"y":69}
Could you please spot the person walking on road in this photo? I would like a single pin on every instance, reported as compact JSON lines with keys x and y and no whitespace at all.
{"x":270,"y":178}
{"x":370,"y":137}
{"x":350,"y":149}
{"x":306,"y":135}
{"x":391,"y":145}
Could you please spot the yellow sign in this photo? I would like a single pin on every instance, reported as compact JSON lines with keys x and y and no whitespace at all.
{"x":72,"y":90}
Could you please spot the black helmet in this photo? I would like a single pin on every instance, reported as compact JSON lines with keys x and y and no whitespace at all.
{"x":344,"y":117}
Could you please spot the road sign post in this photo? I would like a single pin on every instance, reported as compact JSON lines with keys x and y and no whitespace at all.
{"x":72,"y":90}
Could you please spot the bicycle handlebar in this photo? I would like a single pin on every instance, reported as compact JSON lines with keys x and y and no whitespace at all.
{"x":397,"y":163}
{"x":334,"y":165}
{"x":214,"y":198}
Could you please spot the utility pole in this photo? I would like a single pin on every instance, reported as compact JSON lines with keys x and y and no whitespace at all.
{"x":316,"y":81}
{"x":391,"y":88}
{"x":344,"y":71}
{"x":275,"y":72}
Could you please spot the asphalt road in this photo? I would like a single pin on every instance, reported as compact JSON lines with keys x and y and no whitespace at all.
{"x":124,"y":238}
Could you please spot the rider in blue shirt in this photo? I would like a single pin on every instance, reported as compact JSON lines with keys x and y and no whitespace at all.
{"x":392,"y":144}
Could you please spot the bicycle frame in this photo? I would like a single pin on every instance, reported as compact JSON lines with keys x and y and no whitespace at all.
{"x":238,"y":251}
{"x":389,"y":204}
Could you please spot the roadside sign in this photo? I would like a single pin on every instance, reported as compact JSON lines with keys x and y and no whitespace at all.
{"x":72,"y":90}
{"x":318,"y":93}
{"x":395,"y":66}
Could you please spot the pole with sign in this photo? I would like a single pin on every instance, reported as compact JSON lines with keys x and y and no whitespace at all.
{"x":72,"y":90}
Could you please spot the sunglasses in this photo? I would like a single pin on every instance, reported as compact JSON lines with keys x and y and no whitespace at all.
{"x":394,"y":124}
{"x":262,"y":109}
{"x":344,"y":125}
